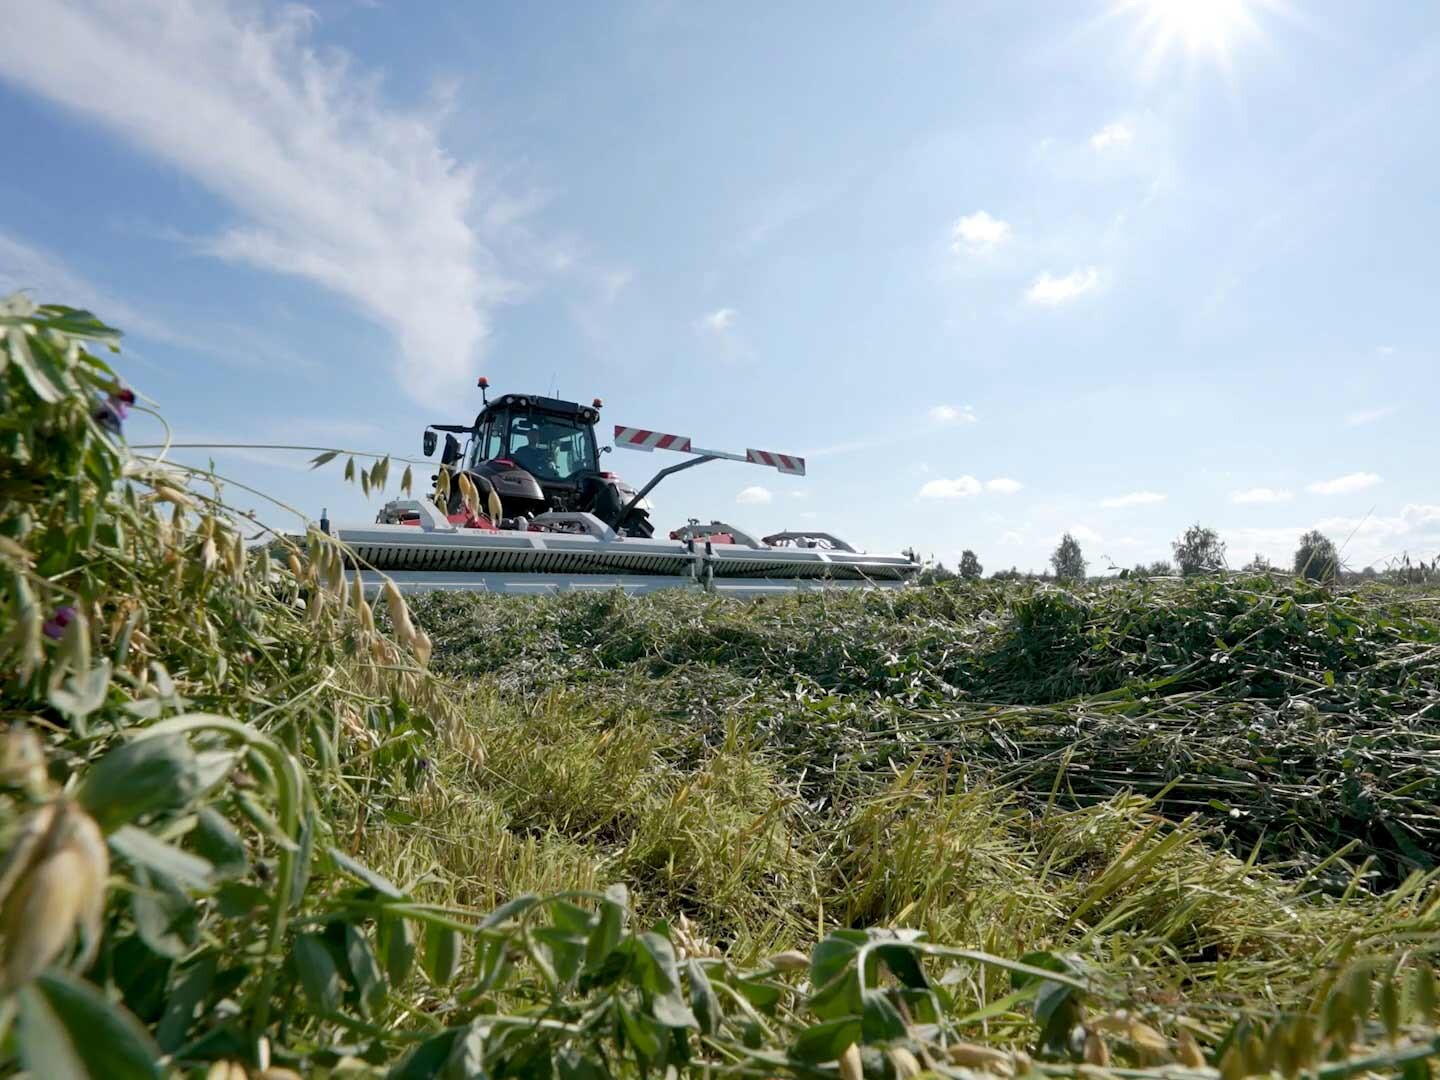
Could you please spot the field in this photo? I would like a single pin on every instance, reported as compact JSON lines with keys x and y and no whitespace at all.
{"x":254,"y":826}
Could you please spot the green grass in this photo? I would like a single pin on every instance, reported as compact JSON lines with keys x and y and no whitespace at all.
{"x":1157,"y":775}
{"x":238,"y":822}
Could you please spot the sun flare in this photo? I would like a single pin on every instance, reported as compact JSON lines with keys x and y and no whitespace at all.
{"x":1198,"y":28}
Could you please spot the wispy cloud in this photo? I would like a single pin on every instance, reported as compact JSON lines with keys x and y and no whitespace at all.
{"x":1111,"y":136}
{"x":949,"y":414}
{"x":1345,"y":485}
{"x":1369,"y":416}
{"x":1050,"y":291}
{"x":755,"y":496}
{"x":1003,"y":485}
{"x":719,"y":321}
{"x":978,"y":233}
{"x":961,"y":487}
{"x":1134,"y":498}
{"x":1260,"y":496}
{"x":328,"y":182}
{"x":1084,"y":534}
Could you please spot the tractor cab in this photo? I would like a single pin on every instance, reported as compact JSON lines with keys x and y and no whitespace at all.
{"x":552,"y":440}
{"x":538,"y":454}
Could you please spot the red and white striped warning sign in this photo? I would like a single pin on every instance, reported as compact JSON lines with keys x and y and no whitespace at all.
{"x":640,"y":439}
{"x":786,"y":463}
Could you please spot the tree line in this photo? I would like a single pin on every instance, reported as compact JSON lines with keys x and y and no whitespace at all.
{"x":1199,"y":550}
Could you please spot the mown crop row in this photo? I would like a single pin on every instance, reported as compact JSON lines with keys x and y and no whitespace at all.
{"x":254,"y":825}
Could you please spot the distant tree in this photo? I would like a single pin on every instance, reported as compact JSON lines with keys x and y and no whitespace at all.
{"x":1316,"y":558}
{"x":1259,"y":565}
{"x":1199,"y":551}
{"x":1013,"y":574}
{"x":1158,"y":568}
{"x":936,"y":571}
{"x":1068,"y":560}
{"x":970,"y":568}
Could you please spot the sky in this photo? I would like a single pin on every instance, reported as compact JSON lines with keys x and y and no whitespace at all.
{"x":998,"y":270}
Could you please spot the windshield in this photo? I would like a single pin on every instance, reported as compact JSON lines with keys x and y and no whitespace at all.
{"x":547,"y":447}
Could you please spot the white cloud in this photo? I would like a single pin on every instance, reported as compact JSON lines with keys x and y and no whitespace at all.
{"x":325,"y":180}
{"x":1052,"y":291}
{"x":718,"y":321}
{"x":1135,"y":498}
{"x":1111,"y":135}
{"x":1369,"y":416}
{"x":949,"y":414}
{"x":755,"y":496}
{"x":978,"y":233}
{"x":1003,"y":485}
{"x":962,"y":487}
{"x":1345,"y":485}
{"x":1084,"y":534}
{"x":1259,"y":495}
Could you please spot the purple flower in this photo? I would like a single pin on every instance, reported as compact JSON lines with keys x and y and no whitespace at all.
{"x":115,"y":408}
{"x":55,"y":626}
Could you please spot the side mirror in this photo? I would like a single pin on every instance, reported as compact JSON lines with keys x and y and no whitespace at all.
{"x":428,"y":442}
{"x":452,"y":451}
{"x":606,"y":449}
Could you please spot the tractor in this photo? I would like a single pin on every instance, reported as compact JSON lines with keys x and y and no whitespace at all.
{"x":537,"y":454}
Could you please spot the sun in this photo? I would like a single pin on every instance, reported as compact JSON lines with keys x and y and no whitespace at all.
{"x":1201,"y":29}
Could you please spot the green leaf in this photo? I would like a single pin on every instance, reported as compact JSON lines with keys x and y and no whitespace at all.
{"x":300,"y":865}
{"x":215,"y":839}
{"x":69,"y":1030}
{"x":827,"y":1041}
{"x":426,"y":1060}
{"x":670,"y":1009}
{"x":323,"y":459}
{"x":165,"y":918}
{"x":567,"y":951}
{"x":318,"y":976}
{"x":139,"y":777}
{"x":605,"y":935}
{"x":139,"y":848}
{"x":365,"y":875}
{"x":832,"y":954}
{"x":364,"y":970}
{"x":657,"y":970}
{"x":442,"y":953}
{"x":571,"y":1064}
{"x":703,"y":1001}
{"x":880,"y":1020}
{"x":190,"y":990}
{"x":642,"y":1037}
{"x":81,"y":696}
{"x":235,"y":899}
{"x":21,"y":355}
{"x":492,"y":961}
{"x":509,"y":910}
{"x":396,"y":938}
{"x":903,"y":964}
{"x":572,"y":918}
{"x":839,"y":997}
{"x":762,"y":995}
{"x":466,"y":1059}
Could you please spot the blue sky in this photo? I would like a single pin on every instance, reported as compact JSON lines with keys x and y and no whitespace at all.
{"x":998,"y":269}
